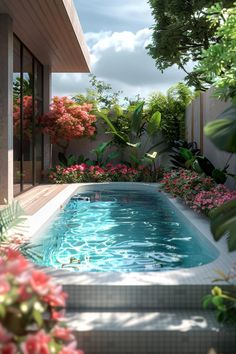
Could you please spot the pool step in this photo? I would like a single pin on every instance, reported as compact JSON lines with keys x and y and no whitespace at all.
{"x":136,"y":297}
{"x":165,"y":332}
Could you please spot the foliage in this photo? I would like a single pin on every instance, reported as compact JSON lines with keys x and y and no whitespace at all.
{"x":100,"y":95}
{"x":218,"y":62}
{"x":132,"y":130}
{"x":172,"y":108}
{"x":67,"y":120}
{"x":100,"y":150}
{"x":181,"y":30}
{"x":222,"y":131}
{"x":187,"y":155}
{"x":27,"y":87}
{"x":66,"y":161}
{"x":178,"y":157}
{"x":224,"y":301}
{"x":223,"y":222}
{"x":8,"y":216}
{"x":30,"y":310}
{"x":108,"y":173}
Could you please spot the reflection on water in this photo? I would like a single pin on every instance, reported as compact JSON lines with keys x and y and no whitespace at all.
{"x":119,"y":231}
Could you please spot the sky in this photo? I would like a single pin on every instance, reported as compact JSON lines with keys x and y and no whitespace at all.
{"x":116,"y":33}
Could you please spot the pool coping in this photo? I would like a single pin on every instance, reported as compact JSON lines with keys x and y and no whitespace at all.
{"x":200,"y":275}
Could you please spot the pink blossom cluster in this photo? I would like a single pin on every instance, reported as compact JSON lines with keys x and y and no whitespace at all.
{"x":185,"y":184}
{"x":205,"y":201}
{"x":68,"y":120}
{"x":199,"y":192}
{"x":31,"y":309}
{"x":86,"y":173}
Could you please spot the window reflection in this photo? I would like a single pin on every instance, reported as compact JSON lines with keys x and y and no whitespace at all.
{"x":27,"y":106}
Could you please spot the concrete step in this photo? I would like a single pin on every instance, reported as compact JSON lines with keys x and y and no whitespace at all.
{"x":165,"y":332}
{"x":135,"y":297}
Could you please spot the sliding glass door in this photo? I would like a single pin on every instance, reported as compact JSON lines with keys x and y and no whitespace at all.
{"x":27,"y":107}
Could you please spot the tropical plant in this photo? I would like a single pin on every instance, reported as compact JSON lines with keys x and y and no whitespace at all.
{"x":133,"y":131}
{"x":182,"y":152}
{"x":99,"y":152}
{"x":9,"y":215}
{"x":218,"y":62}
{"x":172,"y":108}
{"x":222,"y":132}
{"x":30,"y":310}
{"x":67,"y":120}
{"x":223,"y":301}
{"x":181,"y":30}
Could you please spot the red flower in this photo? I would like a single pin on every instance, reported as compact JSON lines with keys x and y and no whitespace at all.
{"x":8,"y":348}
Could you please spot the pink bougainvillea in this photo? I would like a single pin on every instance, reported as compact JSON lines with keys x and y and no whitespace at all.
{"x":29,"y":302}
{"x":67,"y":120}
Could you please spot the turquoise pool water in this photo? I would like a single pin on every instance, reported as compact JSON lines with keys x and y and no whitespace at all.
{"x":124,"y":231}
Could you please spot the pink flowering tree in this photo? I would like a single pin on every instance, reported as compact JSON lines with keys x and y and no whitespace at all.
{"x":67,"y":120}
{"x":31,"y":310}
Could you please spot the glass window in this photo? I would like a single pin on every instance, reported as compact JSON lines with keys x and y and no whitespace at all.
{"x":27,"y":107}
{"x":17,"y":117}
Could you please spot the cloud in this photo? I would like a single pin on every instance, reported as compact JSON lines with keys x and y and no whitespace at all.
{"x":97,"y":15}
{"x":120,"y":58}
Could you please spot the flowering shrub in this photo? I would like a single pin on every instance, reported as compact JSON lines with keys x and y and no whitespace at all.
{"x":186,"y":184}
{"x":198,"y":192}
{"x":30,"y":310}
{"x":205,"y":201}
{"x":67,"y":120}
{"x":86,"y":173}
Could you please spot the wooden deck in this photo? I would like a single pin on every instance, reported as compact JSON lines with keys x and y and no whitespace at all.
{"x":35,"y":198}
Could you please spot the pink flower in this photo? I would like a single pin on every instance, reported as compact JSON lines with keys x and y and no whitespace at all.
{"x":4,"y":286}
{"x":39,"y":282}
{"x":36,"y":343}
{"x":62,"y":333}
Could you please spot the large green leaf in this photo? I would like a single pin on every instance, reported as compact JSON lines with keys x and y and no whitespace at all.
{"x":223,"y":221}
{"x":111,"y":126}
{"x":154,"y":124}
{"x":137,"y":119}
{"x":186,"y":154}
{"x":222,"y":131}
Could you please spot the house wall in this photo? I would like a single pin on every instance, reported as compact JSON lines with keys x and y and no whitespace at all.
{"x":6,"y":119}
{"x":202,"y":110}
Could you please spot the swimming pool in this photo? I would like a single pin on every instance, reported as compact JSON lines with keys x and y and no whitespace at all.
{"x":102,"y":230}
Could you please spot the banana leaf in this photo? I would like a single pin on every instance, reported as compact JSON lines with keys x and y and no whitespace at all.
{"x":154,"y":124}
{"x":223,"y":222}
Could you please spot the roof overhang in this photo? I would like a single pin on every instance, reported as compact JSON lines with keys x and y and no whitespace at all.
{"x":51,"y":30}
